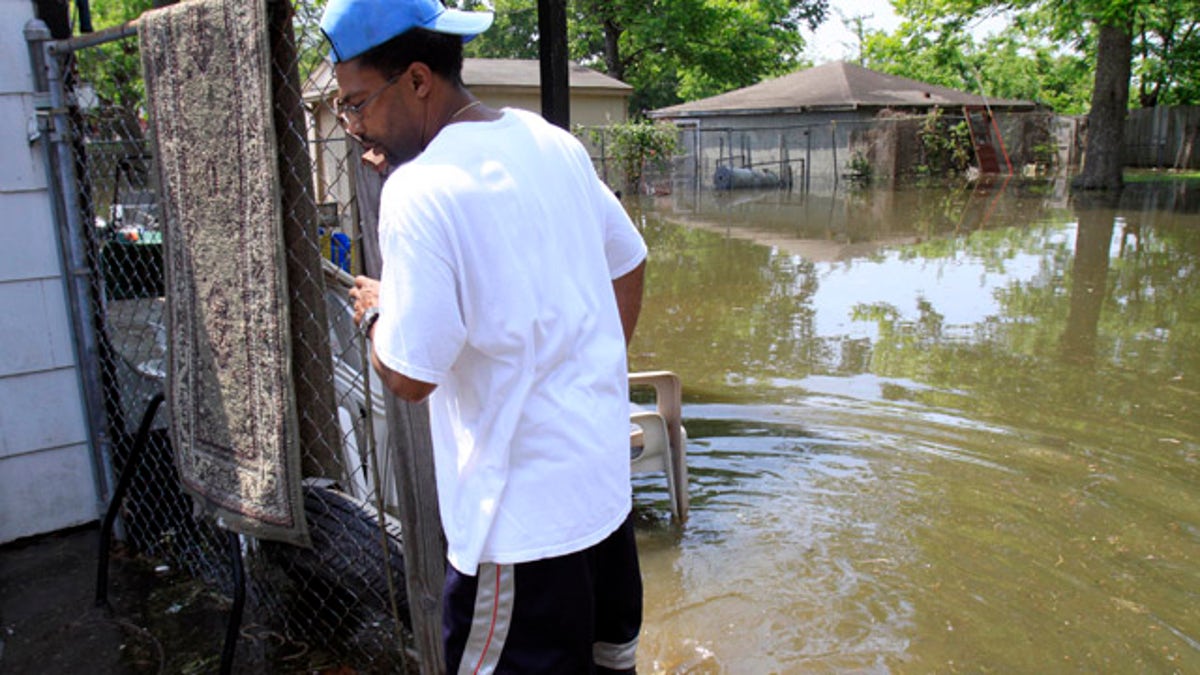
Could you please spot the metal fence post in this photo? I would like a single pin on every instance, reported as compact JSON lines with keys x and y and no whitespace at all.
{"x":552,"y":49}
{"x":54,"y":126}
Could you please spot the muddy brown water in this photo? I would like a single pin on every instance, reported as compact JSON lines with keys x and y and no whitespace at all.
{"x":931,"y":430}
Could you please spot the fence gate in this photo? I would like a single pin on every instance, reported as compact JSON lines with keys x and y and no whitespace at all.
{"x":341,"y":602}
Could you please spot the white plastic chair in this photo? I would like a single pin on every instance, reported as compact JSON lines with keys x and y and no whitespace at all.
{"x":657,"y":438}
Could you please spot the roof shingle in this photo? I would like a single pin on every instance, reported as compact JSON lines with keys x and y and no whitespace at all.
{"x":833,"y":86}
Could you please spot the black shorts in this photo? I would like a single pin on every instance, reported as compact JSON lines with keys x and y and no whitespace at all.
{"x":577,"y":613}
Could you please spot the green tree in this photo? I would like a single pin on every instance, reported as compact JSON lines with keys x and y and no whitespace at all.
{"x":311,"y":47}
{"x":668,"y":50}
{"x":514,"y":32}
{"x":113,"y":71}
{"x":1017,"y":63}
{"x":1160,"y":35}
{"x":1167,"y":54}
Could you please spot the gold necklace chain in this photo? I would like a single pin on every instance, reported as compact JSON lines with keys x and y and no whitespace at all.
{"x":464,"y":109}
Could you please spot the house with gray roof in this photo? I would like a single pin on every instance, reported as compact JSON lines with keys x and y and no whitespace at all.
{"x":838,"y":86}
{"x":826,"y":121}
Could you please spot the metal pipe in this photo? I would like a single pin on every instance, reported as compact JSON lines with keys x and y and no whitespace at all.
{"x":54,"y":127}
{"x":114,"y":505}
{"x":807,"y":158}
{"x":100,"y":37}
{"x":85,"y":16}
{"x":833,"y":128}
{"x":233,"y":626}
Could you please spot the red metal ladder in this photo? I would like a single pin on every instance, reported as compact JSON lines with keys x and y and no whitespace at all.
{"x":985,"y":137}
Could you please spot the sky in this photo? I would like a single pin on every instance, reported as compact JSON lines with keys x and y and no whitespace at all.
{"x":834,"y":41}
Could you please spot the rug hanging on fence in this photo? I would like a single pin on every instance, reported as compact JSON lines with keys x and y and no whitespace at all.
{"x":229,"y":384}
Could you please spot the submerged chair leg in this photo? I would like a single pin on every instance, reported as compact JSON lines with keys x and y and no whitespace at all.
{"x":679,"y":471}
{"x":234,"y":626}
{"x":673,"y":489}
{"x":114,"y":506}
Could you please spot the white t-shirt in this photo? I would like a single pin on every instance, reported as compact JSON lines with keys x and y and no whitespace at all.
{"x":499,"y":247}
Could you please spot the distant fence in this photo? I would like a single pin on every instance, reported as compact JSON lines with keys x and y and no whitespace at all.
{"x":1163,"y":137}
{"x":808,"y":153}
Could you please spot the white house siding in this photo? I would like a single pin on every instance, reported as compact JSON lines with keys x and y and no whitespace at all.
{"x":46,"y":475}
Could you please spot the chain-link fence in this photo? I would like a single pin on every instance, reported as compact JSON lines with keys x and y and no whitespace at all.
{"x":820,"y":151}
{"x":345,"y":595}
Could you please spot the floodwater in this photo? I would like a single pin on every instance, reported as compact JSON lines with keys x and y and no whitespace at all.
{"x":930,"y":430}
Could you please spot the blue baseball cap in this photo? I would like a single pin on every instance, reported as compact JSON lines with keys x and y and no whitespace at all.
{"x":355,"y":26}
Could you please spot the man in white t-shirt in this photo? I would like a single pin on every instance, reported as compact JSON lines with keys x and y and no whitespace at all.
{"x":511,"y":285}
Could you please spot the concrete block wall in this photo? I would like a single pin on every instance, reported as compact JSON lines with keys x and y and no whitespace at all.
{"x":47,"y":479}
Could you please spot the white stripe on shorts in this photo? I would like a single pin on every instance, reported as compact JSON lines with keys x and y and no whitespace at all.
{"x":614,"y":656}
{"x":491,"y":619}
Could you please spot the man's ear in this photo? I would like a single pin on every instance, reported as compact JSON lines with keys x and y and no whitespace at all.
{"x":421,"y":78}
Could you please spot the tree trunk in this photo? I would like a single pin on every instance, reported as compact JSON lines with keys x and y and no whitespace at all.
{"x":612,"y":50}
{"x":1106,"y":121}
{"x":1095,"y":213}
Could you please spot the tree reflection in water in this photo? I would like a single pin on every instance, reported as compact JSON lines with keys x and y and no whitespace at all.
{"x":931,"y":430}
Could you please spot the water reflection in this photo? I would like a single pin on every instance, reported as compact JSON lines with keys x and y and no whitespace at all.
{"x":931,"y":430}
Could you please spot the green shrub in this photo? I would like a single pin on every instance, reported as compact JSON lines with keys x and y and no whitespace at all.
{"x":945,"y":148}
{"x":635,"y":146}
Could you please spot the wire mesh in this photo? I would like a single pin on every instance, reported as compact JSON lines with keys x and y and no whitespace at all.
{"x":819,"y":151}
{"x":345,"y":594}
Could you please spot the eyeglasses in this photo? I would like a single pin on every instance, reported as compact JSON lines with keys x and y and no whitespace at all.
{"x":348,"y":113}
